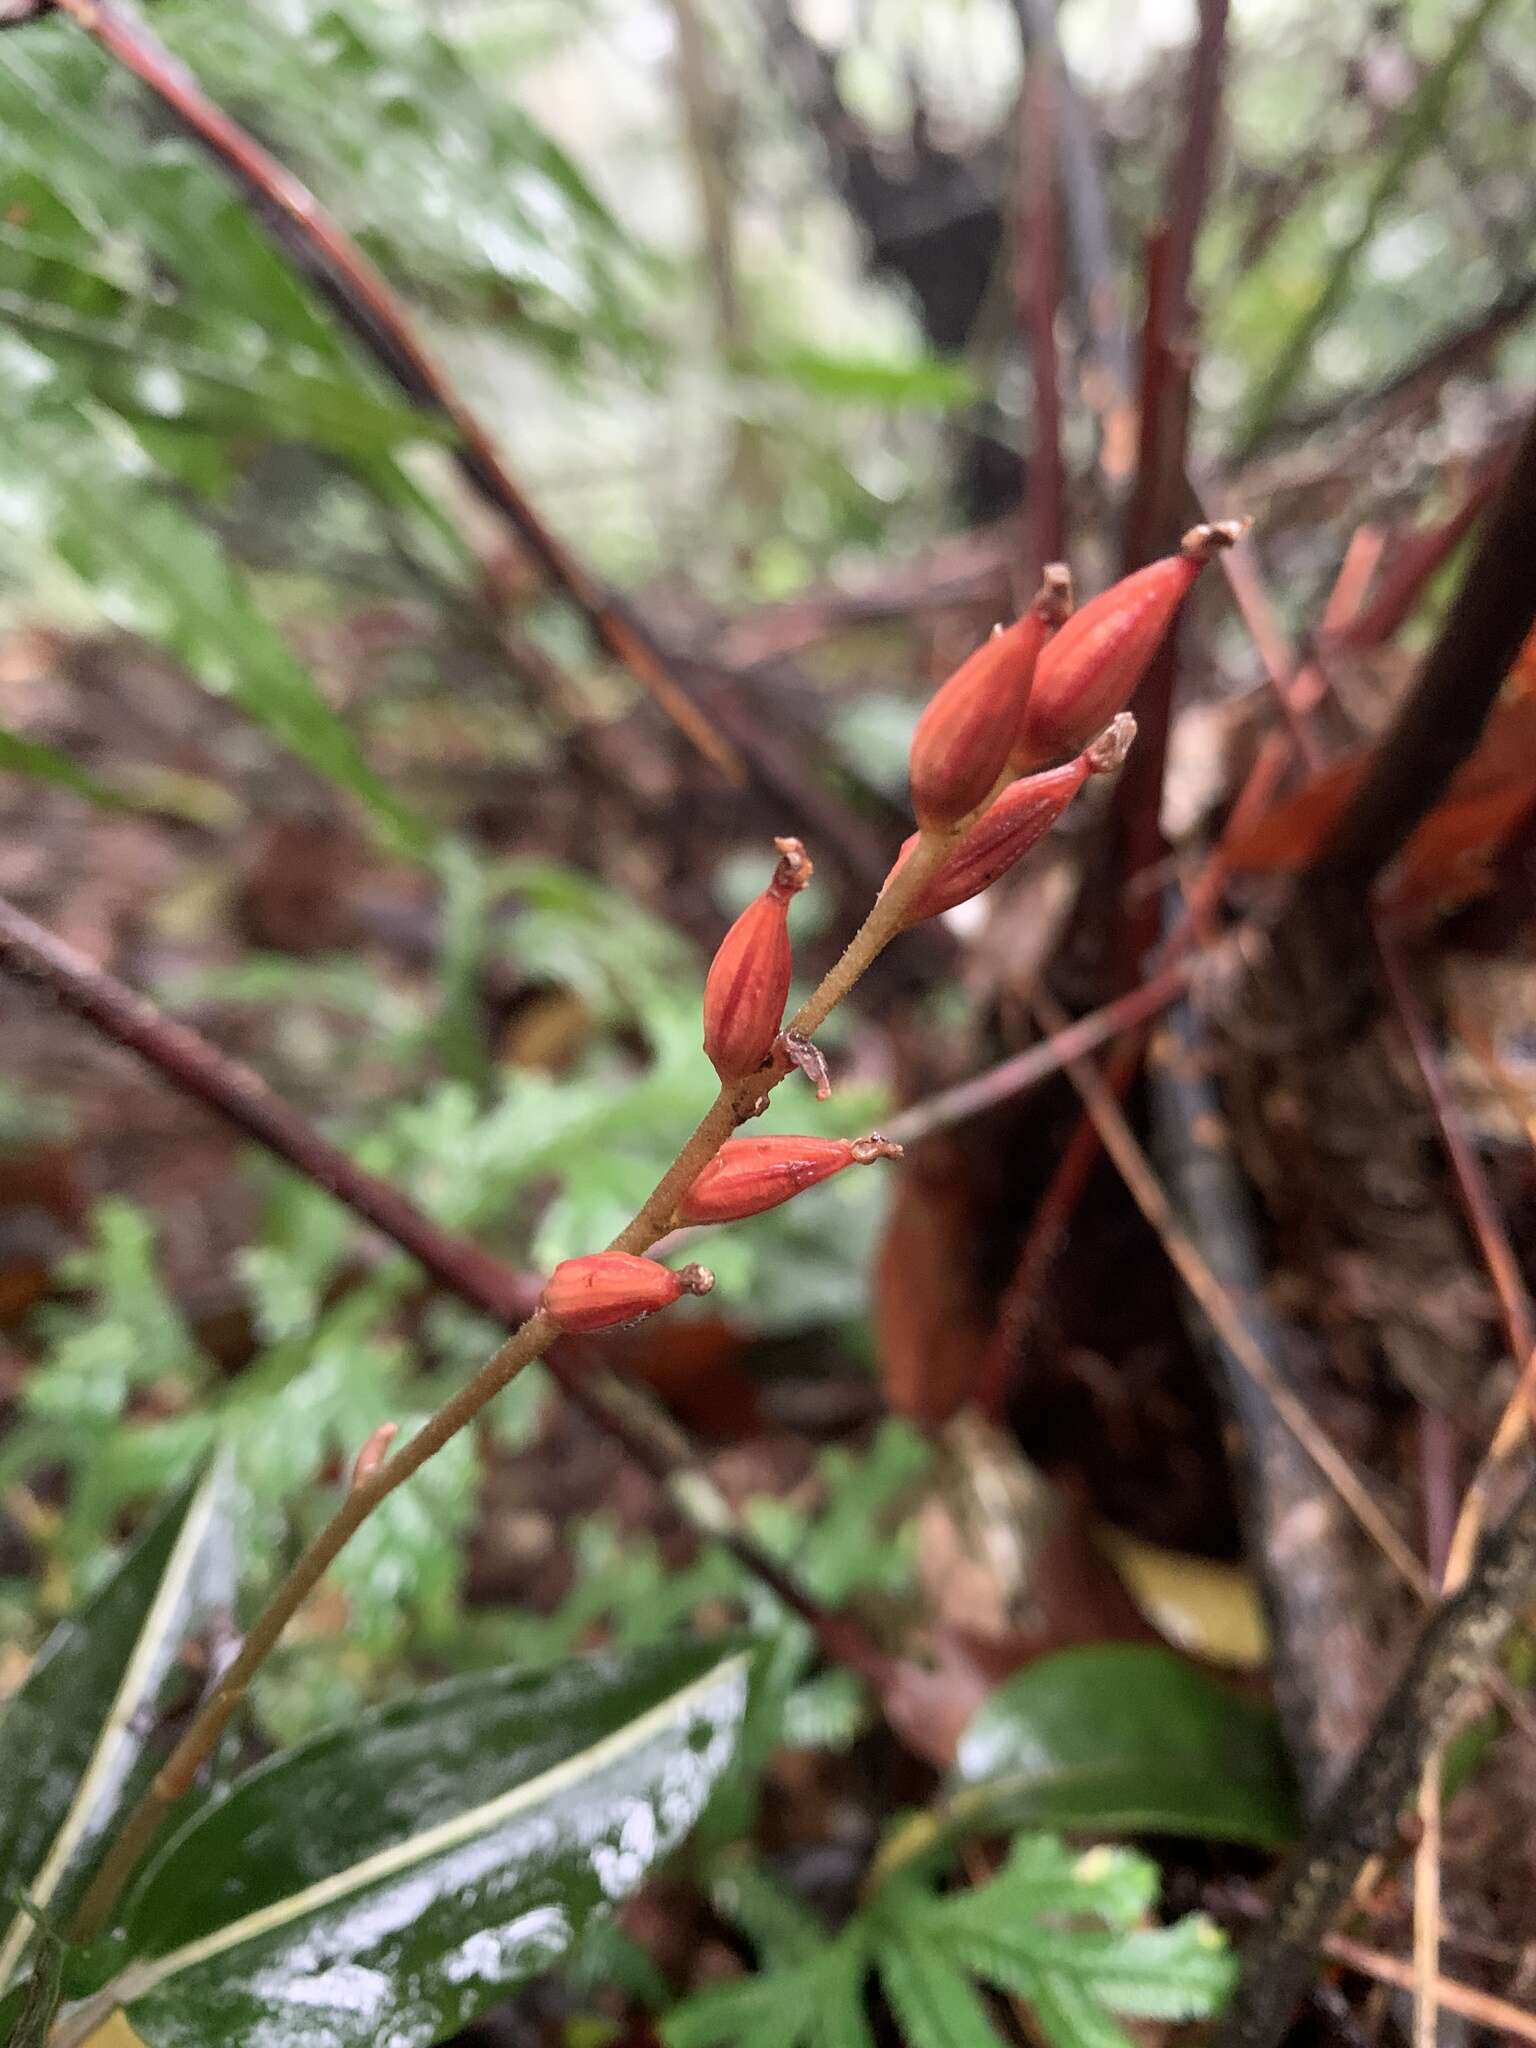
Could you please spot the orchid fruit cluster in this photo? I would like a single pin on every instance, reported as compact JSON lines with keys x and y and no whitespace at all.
{"x":999,"y":753}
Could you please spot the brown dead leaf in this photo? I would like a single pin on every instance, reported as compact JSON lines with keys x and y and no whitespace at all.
{"x":931,"y":1332}
{"x":694,"y":1365}
{"x":1451,"y":856}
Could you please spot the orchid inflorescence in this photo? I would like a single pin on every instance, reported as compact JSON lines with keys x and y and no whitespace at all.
{"x":997,"y":756}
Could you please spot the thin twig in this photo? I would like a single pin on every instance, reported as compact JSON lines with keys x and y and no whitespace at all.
{"x":1200,"y":103}
{"x":377,"y":316}
{"x":1454,"y":351}
{"x":1482,"y":2006}
{"x":1158,"y":508}
{"x":1477,"y":1197}
{"x":237,"y":1093}
{"x":1418,"y":123}
{"x":1194,"y":1270}
{"x":1425,"y":1974}
{"x":1025,"y":1070}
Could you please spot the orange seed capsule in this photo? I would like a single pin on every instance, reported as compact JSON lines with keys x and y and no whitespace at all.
{"x":608,"y":1288}
{"x":749,"y":1175}
{"x":964,"y":737}
{"x":1090,"y":669}
{"x":748,"y":981}
{"x":1022,"y":815}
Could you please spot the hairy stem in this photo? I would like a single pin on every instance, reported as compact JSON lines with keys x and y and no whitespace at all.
{"x":885,"y":921}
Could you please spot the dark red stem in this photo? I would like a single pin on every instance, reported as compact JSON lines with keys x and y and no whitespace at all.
{"x":1037,"y":297}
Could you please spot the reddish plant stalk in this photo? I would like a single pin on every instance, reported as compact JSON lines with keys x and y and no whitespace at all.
{"x":1053,"y":1214}
{"x":1036,"y":275}
{"x":1160,"y":496}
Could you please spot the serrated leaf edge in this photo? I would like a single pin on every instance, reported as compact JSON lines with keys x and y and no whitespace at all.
{"x":152,"y":1652}
{"x":138,"y":1979}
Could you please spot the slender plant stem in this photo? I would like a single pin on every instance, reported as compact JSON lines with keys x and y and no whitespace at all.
{"x":1484,"y":2007}
{"x":886,"y":921}
{"x":732,"y":1104}
{"x":1027,"y":1069}
{"x":1036,"y":280}
{"x":1192,"y":1267}
{"x":179,"y":1772}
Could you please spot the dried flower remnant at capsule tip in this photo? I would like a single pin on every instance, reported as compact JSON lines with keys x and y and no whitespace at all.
{"x":1091,"y":668}
{"x":964,"y":737}
{"x":748,"y":981}
{"x":606,"y":1289}
{"x":1016,"y":822}
{"x":748,"y":1175}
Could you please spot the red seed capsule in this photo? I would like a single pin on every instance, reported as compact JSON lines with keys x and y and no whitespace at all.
{"x":748,"y":1175}
{"x":964,"y":737}
{"x":1090,"y":669}
{"x":748,"y":982}
{"x":1019,"y":819}
{"x":608,"y":1288}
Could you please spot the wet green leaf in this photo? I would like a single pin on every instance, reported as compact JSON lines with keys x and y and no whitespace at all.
{"x":77,"y":1729}
{"x":393,"y":1877}
{"x":1123,"y":1736}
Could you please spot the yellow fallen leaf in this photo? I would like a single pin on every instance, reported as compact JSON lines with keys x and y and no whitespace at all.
{"x":114,"y":2033}
{"x":1211,"y":1610}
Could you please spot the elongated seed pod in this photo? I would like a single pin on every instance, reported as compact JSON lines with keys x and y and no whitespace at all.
{"x":749,"y":1175}
{"x":1022,"y":815}
{"x":608,"y":1288}
{"x":972,"y":723}
{"x":748,"y":981}
{"x":1090,"y":669}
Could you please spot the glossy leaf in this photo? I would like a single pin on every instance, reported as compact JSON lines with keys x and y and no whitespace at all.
{"x":39,"y":1999}
{"x":1125,"y":1737}
{"x":75,"y":1731}
{"x":392,"y":1878}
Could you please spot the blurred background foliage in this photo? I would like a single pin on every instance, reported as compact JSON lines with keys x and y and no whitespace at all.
{"x":681,"y":258}
{"x":696,"y":266}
